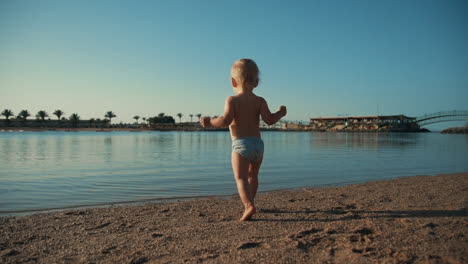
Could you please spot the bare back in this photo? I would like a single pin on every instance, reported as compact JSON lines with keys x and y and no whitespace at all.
{"x":246,"y":109}
{"x":242,"y":114}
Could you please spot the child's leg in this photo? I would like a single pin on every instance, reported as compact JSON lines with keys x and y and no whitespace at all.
{"x":253,"y":177}
{"x":240,"y":167}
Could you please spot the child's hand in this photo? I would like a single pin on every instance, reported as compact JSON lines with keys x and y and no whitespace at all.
{"x":282,"y":110}
{"x":205,"y":121}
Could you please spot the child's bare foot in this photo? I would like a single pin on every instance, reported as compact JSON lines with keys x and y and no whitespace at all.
{"x":248,"y":213}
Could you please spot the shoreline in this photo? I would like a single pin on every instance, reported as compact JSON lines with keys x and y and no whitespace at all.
{"x":175,"y":199}
{"x":409,"y":219}
{"x":6,"y":130}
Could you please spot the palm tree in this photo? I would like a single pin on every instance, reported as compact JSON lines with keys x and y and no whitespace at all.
{"x":74,"y":119}
{"x":59,"y":113}
{"x":161,"y":115}
{"x":24,"y":114}
{"x":191,"y":116}
{"x":110,"y":115}
{"x":199,"y":115}
{"x":136,"y":118}
{"x":180,"y":117}
{"x":42,"y":114}
{"x":144,"y":119}
{"x":7,"y":113}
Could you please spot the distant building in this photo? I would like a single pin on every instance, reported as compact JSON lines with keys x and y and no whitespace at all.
{"x":365,"y":123}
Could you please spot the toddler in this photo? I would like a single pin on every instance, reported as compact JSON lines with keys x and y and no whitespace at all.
{"x":242,"y":114}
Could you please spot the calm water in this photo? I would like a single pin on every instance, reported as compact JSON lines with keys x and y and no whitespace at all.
{"x":64,"y":169}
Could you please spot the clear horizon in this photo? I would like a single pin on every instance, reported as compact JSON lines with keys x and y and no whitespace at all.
{"x":319,"y":58}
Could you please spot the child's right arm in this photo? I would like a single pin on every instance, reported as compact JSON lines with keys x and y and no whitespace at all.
{"x":268,"y":117}
{"x":222,"y":121}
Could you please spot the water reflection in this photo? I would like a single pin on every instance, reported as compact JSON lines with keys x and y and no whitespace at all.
{"x":370,"y":141}
{"x":108,"y":150}
{"x":41,"y":148}
{"x":59,"y":149}
{"x":62,"y":169}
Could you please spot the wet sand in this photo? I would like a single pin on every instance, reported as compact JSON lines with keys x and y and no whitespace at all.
{"x":422,"y":219}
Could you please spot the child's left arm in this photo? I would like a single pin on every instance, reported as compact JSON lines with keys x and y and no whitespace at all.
{"x":222,"y":121}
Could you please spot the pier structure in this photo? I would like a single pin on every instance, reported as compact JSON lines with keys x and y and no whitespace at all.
{"x":444,"y":116}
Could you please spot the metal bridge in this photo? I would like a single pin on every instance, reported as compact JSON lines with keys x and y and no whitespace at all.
{"x":442,"y":117}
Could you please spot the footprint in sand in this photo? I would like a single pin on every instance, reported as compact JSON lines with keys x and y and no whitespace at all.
{"x":308,"y":232}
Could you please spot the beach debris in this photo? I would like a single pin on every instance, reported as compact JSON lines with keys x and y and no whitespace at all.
{"x":156,"y":235}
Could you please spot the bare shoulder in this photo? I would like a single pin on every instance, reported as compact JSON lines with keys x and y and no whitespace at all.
{"x":260,"y":99}
{"x":230,"y":99}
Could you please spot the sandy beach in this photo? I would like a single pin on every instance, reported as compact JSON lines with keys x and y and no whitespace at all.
{"x":421,"y":219}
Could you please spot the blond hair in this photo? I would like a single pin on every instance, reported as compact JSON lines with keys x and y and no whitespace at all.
{"x":246,"y":72}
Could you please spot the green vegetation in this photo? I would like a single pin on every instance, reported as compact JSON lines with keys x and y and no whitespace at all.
{"x":110,"y":115}
{"x":74,"y":120}
{"x":23,"y":115}
{"x":58,"y":113}
{"x":42,"y":115}
{"x":7,"y":113}
{"x":161,"y":119}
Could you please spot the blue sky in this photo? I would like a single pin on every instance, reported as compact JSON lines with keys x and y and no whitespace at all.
{"x":319,"y":58}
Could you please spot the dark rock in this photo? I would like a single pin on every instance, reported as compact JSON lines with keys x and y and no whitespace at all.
{"x":455,"y":130}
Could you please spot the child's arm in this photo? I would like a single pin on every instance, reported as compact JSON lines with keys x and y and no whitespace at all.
{"x":222,"y":121}
{"x":270,"y":118}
